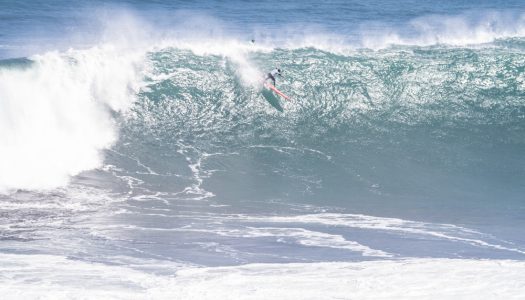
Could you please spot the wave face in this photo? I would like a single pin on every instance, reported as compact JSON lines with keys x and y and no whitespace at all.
{"x":442,"y":112}
{"x":434,"y":123}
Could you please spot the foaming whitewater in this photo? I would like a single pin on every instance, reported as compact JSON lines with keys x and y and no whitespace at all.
{"x":410,"y":279}
{"x":56,"y":113}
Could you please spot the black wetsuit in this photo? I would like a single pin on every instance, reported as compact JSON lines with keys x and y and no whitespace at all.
{"x":272,"y":74}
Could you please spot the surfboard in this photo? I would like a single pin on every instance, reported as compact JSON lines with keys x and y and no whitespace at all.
{"x":273,"y":88}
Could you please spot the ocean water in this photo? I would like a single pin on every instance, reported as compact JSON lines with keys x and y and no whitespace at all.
{"x":140,"y":160}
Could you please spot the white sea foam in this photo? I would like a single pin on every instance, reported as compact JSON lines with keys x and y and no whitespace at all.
{"x":55,"y":277}
{"x":439,"y":231}
{"x":55,"y":116}
{"x":324,"y":237}
{"x":307,"y":238}
{"x":298,"y":236}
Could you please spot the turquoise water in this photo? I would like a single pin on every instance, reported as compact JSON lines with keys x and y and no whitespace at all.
{"x":136,"y":133}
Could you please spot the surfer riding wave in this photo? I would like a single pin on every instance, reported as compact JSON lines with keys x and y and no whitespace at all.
{"x":271,"y":77}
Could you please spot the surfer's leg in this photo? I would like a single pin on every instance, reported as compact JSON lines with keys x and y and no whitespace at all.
{"x":268,"y":77}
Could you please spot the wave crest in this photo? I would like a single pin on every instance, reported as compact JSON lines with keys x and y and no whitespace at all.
{"x":55,"y":114}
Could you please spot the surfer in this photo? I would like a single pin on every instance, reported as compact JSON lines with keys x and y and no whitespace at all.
{"x":272,"y":74}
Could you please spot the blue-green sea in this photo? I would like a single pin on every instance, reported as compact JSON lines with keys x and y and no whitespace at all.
{"x":141,"y":158}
